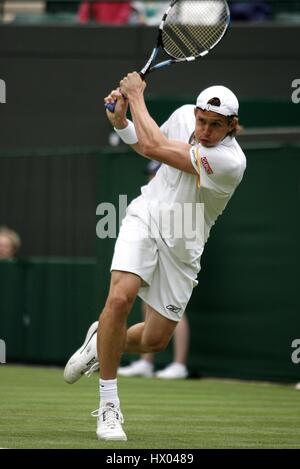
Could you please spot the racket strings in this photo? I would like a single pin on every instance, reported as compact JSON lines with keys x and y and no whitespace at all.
{"x":177,"y":43}
{"x":194,"y":26}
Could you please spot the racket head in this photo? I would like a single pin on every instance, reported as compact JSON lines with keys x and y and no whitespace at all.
{"x":191,"y":28}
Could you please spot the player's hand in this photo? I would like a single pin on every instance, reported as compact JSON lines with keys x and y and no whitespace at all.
{"x":132,"y":85}
{"x":118,"y":117}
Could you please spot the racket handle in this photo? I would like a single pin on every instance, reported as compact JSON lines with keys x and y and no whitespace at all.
{"x":110,"y":106}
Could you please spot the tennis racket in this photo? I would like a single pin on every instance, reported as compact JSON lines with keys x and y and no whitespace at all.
{"x":188,"y":30}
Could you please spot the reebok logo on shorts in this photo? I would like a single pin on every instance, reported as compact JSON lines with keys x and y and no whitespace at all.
{"x":174,"y":309}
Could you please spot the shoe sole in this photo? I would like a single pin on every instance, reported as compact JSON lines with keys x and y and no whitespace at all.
{"x":135,"y":375}
{"x":170,"y":377}
{"x":112,"y":438}
{"x":90,"y":333}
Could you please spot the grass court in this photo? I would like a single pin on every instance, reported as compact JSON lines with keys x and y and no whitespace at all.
{"x":39,"y":410}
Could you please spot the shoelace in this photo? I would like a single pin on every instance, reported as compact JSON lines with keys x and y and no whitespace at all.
{"x":113,"y":416}
{"x":91,"y":370}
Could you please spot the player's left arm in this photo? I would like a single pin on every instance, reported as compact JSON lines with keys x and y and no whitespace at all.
{"x":152,"y":141}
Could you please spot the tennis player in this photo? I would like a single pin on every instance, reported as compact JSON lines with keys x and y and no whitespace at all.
{"x":202,"y":165}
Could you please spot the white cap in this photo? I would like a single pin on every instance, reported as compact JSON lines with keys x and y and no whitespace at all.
{"x":229,"y":102}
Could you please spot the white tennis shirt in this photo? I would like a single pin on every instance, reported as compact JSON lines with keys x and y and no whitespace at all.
{"x":221,"y":170}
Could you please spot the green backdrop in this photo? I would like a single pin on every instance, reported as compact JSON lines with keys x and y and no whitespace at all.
{"x":244,"y":314}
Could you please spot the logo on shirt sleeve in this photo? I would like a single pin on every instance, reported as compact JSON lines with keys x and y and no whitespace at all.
{"x":206,"y":165}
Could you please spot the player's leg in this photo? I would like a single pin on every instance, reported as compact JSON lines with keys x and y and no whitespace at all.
{"x":111,"y":340}
{"x":123,"y":290}
{"x":150,"y":336}
{"x":181,"y":341}
{"x":178,"y":369}
{"x":144,"y":365}
{"x":169,"y":293}
{"x":153,"y":335}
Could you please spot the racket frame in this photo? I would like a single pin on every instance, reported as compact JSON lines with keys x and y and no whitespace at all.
{"x":159,"y":44}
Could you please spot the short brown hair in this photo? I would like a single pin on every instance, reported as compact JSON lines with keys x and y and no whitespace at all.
{"x":234,"y":131}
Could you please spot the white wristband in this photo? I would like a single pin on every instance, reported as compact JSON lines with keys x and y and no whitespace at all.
{"x":128,"y":135}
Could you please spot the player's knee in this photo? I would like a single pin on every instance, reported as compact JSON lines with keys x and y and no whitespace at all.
{"x":155,"y":344}
{"x":119,"y":302}
{"x":158,"y":347}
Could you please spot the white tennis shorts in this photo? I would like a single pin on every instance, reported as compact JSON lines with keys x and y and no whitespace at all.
{"x":167,"y":282}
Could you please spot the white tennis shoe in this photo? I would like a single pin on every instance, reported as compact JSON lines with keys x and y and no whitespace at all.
{"x":85,"y":359}
{"x":137,"y":368}
{"x":173,"y":371}
{"x":109,"y":422}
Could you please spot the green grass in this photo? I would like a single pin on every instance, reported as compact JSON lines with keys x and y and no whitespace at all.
{"x":38,"y":410}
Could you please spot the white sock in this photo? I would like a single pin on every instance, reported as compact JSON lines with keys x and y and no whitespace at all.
{"x":108,"y":392}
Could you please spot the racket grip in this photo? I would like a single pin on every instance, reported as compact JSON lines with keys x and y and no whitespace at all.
{"x":110,"y":106}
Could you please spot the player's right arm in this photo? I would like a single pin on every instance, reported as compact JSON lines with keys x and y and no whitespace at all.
{"x":118,"y":117}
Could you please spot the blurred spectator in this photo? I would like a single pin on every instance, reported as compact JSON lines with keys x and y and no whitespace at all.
{"x":250,"y":11}
{"x":104,"y":12}
{"x":10,"y":243}
{"x":150,"y":13}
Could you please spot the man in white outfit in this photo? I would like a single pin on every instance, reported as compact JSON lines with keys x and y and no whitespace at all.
{"x":162,"y":237}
